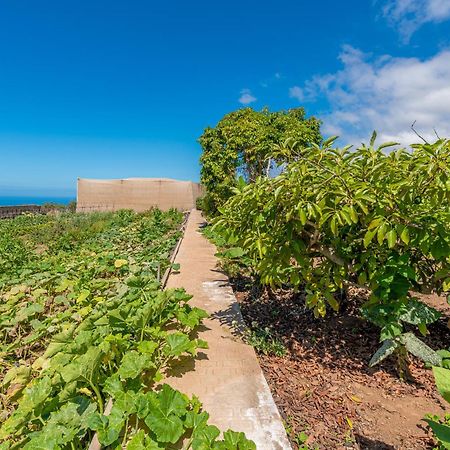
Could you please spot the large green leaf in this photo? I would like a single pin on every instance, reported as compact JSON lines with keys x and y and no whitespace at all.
{"x":234,"y":252}
{"x":133,"y":364}
{"x":418,"y":312}
{"x":37,"y":393}
{"x":440,"y":249}
{"x":144,"y":402}
{"x":172,"y":401}
{"x":167,"y":427}
{"x":179,"y":343}
{"x":369,"y":236}
{"x":141,"y":441}
{"x":442,"y":379}
{"x":203,"y":435}
{"x":109,"y":427}
{"x":191,"y":317}
{"x":233,"y":440}
{"x":113,"y":385}
{"x":387,"y":348}
{"x":165,"y":415}
{"x":43,"y":442}
{"x":84,"y":366}
{"x":392,"y":238}
{"x":442,"y":432}
{"x":18,"y":375}
{"x":419,"y":349}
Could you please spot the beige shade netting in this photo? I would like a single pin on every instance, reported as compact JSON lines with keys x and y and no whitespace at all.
{"x":139,"y":194}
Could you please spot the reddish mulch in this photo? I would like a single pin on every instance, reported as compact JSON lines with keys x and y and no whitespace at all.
{"x":324,"y":387}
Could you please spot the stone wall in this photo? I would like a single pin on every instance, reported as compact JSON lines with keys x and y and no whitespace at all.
{"x":8,"y":212}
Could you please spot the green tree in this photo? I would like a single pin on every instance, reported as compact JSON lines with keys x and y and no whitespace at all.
{"x":336,"y":219}
{"x":247,"y":143}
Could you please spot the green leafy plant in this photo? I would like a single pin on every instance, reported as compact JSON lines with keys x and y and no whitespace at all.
{"x":441,"y":426}
{"x":445,"y":355}
{"x":336,"y":219}
{"x":232,"y":259}
{"x":263,"y":341}
{"x":88,"y":335}
{"x":246,"y":143}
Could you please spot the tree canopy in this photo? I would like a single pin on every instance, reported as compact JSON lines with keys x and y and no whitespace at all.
{"x":246,"y":142}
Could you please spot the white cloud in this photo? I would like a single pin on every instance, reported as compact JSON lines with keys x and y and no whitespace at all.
{"x":409,"y":15}
{"x":246,"y":97}
{"x":297,"y":92}
{"x":276,"y":77}
{"x":386,"y":94}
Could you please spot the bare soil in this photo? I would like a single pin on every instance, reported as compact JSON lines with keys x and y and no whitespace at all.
{"x":324,"y":387}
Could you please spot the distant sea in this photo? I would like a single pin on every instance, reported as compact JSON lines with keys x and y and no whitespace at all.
{"x":13,"y":201}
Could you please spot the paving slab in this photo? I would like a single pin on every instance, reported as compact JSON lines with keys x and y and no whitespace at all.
{"x":226,"y":377}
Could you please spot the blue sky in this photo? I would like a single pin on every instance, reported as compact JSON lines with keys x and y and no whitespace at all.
{"x":124,"y":89}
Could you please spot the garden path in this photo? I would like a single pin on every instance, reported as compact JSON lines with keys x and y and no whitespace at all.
{"x":226,"y":377}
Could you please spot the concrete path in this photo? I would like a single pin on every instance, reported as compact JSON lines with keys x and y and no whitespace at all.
{"x":227,"y":377}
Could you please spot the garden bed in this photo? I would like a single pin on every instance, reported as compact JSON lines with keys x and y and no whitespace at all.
{"x":323,"y":385}
{"x":88,"y":335}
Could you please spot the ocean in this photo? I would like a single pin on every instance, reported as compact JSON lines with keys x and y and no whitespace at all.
{"x":22,"y":200}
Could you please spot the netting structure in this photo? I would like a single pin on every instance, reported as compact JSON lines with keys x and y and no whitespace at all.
{"x":138,"y":194}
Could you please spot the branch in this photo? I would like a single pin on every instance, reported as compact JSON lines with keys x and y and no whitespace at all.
{"x":330,"y":254}
{"x":269,"y":164}
{"x":325,"y":251}
{"x":334,"y":174}
{"x":418,"y":135}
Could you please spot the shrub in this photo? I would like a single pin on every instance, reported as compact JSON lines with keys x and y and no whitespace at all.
{"x":337,"y":218}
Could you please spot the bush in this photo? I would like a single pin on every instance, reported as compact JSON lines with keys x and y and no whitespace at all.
{"x":206,"y":204}
{"x":337,"y":218}
{"x":72,"y":206}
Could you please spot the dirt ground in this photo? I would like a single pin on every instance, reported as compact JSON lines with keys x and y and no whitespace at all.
{"x":323,"y":385}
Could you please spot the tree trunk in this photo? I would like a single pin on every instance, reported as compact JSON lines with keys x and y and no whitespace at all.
{"x":403,"y":364}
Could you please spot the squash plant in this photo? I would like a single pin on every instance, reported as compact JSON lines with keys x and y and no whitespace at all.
{"x":337,"y":218}
{"x":83,"y":320}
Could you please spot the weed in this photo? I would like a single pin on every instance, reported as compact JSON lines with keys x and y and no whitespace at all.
{"x":263,"y":340}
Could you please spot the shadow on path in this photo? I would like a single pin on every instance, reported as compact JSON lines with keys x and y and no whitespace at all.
{"x":231,"y":318}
